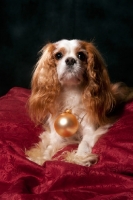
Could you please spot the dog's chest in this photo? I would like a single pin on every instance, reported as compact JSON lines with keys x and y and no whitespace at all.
{"x":71,"y":99}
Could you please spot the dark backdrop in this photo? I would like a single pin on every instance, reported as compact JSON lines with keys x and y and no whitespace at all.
{"x":26,"y":25}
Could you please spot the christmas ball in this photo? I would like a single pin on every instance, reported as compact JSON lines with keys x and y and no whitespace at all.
{"x":66,"y":124}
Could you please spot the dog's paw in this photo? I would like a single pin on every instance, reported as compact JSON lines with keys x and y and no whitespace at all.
{"x":38,"y":160}
{"x":36,"y":154}
{"x":84,"y":160}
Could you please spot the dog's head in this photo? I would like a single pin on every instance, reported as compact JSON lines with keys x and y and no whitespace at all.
{"x":71,"y":63}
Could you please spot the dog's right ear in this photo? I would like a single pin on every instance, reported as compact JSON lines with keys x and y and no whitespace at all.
{"x":44,"y":86}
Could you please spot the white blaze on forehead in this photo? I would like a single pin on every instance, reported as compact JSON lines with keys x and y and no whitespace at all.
{"x":69,"y":45}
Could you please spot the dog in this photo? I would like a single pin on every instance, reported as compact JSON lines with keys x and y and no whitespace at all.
{"x":72,"y":74}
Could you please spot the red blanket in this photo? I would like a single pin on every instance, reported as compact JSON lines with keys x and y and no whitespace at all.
{"x":20,"y":179}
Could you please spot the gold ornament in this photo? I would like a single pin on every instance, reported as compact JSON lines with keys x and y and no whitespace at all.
{"x":66,"y":124}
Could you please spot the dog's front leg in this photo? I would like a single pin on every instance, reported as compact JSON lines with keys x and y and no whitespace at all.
{"x":55,"y":144}
{"x":48,"y":145}
{"x":83,"y":155}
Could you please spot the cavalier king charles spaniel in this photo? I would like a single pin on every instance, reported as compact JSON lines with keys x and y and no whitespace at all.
{"x":71,"y":74}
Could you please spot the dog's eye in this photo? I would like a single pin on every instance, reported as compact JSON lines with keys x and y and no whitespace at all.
{"x":58,"y":55}
{"x":81,"y":56}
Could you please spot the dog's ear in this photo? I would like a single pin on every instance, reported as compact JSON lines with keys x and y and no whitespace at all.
{"x":45,"y":85}
{"x":98,"y":96}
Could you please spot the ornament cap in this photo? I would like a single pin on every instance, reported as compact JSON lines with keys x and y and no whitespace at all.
{"x":68,"y":111}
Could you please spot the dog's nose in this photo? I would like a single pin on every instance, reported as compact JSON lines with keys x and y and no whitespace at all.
{"x":70,"y":61}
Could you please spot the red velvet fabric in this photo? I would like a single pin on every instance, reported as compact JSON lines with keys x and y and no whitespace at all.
{"x":20,"y":179}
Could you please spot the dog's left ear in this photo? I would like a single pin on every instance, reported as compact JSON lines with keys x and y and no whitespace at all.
{"x":98,"y":96}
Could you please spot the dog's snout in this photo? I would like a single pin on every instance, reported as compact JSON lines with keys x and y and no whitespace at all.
{"x":70,"y":61}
